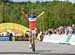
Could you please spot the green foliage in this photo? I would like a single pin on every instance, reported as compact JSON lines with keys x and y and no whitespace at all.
{"x":56,"y":13}
{"x":4,"y":1}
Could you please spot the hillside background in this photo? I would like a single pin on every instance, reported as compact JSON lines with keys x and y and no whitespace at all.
{"x":57,"y":13}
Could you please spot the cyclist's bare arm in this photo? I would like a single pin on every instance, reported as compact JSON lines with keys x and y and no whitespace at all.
{"x":24,"y":14}
{"x":41,"y":14}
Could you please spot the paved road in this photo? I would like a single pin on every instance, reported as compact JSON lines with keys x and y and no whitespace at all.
{"x":21,"y":47}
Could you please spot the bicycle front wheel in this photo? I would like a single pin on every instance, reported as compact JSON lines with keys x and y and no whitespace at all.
{"x":33,"y":43}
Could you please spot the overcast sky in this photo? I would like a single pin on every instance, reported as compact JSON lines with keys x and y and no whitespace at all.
{"x":42,"y":0}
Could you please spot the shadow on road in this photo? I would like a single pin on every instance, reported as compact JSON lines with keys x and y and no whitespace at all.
{"x":36,"y":52}
{"x":19,"y":53}
{"x":42,"y":51}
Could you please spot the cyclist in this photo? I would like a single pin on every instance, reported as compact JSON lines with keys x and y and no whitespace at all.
{"x":32,"y":23}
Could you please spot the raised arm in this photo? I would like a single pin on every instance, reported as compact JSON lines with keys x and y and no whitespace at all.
{"x":41,"y":14}
{"x":24,"y":14}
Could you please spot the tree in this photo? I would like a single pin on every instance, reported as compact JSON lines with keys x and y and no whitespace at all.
{"x":55,"y":14}
{"x":4,"y":1}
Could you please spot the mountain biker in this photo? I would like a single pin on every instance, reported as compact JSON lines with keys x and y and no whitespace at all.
{"x":32,"y":23}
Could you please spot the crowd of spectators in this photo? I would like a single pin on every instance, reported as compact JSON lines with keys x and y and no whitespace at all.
{"x":59,"y":31}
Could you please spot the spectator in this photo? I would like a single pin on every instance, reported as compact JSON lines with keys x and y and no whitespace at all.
{"x":73,"y":29}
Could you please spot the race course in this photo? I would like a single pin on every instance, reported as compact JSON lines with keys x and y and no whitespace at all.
{"x":22,"y":47}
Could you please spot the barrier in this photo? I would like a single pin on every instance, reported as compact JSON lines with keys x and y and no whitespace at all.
{"x":55,"y":38}
{"x":68,"y":38}
{"x":46,"y":38}
{"x":72,"y":40}
{"x":4,"y":38}
{"x":52,"y":38}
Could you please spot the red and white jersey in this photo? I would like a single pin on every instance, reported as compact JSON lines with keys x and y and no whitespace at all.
{"x":32,"y":22}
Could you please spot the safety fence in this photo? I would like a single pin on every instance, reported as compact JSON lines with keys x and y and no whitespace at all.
{"x":55,"y":38}
{"x":4,"y":38}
